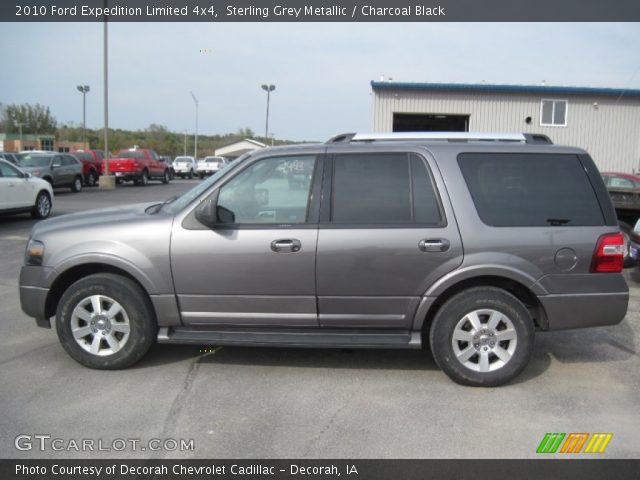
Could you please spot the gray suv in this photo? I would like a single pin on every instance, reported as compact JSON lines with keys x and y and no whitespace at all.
{"x":59,"y":169}
{"x":470,"y":243}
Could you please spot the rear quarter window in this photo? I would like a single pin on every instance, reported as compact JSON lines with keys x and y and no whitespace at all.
{"x":513,"y":189}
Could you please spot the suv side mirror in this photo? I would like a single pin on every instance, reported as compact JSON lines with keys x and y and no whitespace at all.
{"x":210,"y":214}
{"x":225,"y":215}
{"x":205,"y":212}
{"x":26,"y":175}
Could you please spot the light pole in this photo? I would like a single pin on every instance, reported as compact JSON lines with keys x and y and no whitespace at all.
{"x":195,"y":147}
{"x":84,"y":89}
{"x":20,"y":124}
{"x":185,"y":143}
{"x":106,"y":181}
{"x":268,"y":89}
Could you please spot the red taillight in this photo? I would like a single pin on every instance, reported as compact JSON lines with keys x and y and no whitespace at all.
{"x":609,"y":254}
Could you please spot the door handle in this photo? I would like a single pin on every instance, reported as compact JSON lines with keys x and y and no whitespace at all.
{"x":434,"y":245}
{"x":286,"y":245}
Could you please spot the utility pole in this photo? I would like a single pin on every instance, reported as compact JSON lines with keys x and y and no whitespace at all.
{"x":195,"y":147}
{"x":268,"y":89}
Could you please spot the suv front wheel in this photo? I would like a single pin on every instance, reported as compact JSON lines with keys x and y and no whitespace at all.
{"x":105,"y":321}
{"x":482,"y":336}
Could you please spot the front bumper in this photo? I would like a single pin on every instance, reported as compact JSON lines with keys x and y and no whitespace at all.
{"x":34,"y":291}
{"x":33,"y":301}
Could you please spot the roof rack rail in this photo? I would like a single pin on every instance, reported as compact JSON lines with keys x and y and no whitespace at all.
{"x":342,"y":138}
{"x":443,"y":136}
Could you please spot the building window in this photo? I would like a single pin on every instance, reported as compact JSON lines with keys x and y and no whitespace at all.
{"x":553,"y":113}
{"x":46,"y":144}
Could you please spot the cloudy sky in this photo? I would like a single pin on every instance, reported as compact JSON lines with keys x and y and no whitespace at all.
{"x":321,"y":71}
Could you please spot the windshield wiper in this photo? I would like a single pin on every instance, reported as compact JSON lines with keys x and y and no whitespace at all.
{"x":158,"y":206}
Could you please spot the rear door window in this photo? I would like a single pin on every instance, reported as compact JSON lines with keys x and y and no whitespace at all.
{"x":383,"y":189}
{"x":519,"y":189}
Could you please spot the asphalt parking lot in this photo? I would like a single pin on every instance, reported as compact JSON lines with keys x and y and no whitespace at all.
{"x":288,"y":403}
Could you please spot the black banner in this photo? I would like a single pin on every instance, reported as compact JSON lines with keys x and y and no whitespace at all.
{"x":546,"y":469}
{"x":319,"y":11}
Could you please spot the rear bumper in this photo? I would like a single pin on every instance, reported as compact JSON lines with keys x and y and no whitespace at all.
{"x":586,"y":310}
{"x":584,"y":300}
{"x":126,"y":176}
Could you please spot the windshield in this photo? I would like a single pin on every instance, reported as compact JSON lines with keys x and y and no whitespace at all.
{"x":33,"y":161}
{"x":183,"y":159}
{"x":189,"y":196}
{"x":130,"y":154}
{"x":213,"y":160}
{"x":83,"y":155}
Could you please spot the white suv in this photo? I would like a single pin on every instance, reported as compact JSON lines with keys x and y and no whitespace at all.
{"x":211,"y":165}
{"x":185,"y":166}
{"x":22,"y":192}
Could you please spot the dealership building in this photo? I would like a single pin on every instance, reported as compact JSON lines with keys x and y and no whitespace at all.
{"x":603,"y":121}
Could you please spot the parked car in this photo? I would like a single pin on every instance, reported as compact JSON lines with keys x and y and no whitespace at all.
{"x":167,"y":160}
{"x":91,"y":165}
{"x":624,"y":189}
{"x":22,"y":192}
{"x":139,"y":165}
{"x":59,"y":169}
{"x":394,"y":241}
{"x":185,"y":166}
{"x":210,"y":165}
{"x":9,"y":156}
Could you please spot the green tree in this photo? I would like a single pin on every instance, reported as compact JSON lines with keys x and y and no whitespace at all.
{"x":34,"y":119}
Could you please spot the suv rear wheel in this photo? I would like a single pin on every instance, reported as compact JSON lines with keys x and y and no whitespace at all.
{"x":76,"y":186}
{"x":92,"y":178}
{"x":105,"y":321}
{"x":482,"y":336}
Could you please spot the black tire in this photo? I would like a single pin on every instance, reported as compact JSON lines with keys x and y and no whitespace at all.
{"x":92,"y":178}
{"x":626,"y":230}
{"x":190,"y":174}
{"x":135,"y":304}
{"x":166,"y":178}
{"x":452,"y":318}
{"x":48,"y":179}
{"x":201,"y":175}
{"x":182,"y":176}
{"x":42,"y":207}
{"x":144,"y":179}
{"x":76,"y":186}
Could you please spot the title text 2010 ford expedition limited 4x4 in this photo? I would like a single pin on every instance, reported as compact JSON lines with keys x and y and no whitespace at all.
{"x":468,"y":242}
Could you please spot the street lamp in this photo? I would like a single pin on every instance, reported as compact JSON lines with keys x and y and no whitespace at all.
{"x":20,"y":125}
{"x":185,"y":143}
{"x":84,"y":89}
{"x":268,"y":89}
{"x":195,"y":147}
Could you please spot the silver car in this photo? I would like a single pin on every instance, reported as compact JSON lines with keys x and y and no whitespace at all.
{"x":366,"y":241}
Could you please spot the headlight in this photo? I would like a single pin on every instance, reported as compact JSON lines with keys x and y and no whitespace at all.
{"x":34,"y":253}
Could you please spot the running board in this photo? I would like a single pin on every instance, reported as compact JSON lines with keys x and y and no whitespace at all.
{"x":291,"y":338}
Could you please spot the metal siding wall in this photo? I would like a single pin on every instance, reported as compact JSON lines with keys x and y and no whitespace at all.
{"x":610,"y":133}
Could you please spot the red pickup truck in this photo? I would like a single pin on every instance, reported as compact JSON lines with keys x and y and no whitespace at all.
{"x":91,"y":165}
{"x":139,"y":165}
